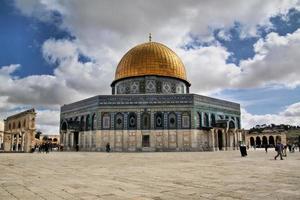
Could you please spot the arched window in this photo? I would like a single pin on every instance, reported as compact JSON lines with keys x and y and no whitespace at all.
{"x":271,"y":141}
{"x":231,"y":124}
{"x":64,"y":126}
{"x":185,"y":120}
{"x":87,"y":123}
{"x":213,"y":120}
{"x":9,"y":126}
{"x":106,"y":121}
{"x":258,"y":141}
{"x":119,"y":121}
{"x":82,"y":125}
{"x":264,"y":141}
{"x":159,"y":120}
{"x":206,"y":121}
{"x":252,"y":141}
{"x":172,"y":121}
{"x":93,"y":122}
{"x":199,"y":120}
{"x":24,"y":123}
{"x":146,"y":122}
{"x":132,"y":122}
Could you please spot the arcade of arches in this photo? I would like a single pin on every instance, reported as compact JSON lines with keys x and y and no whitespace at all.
{"x":158,"y":131}
{"x":262,"y":139}
{"x":19,"y":131}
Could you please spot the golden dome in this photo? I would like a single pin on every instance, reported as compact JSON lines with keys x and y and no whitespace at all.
{"x":150,"y":58}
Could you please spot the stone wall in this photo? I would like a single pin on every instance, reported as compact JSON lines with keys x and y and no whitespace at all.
{"x":159,"y":140}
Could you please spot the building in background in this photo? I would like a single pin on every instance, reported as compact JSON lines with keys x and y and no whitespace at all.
{"x":269,"y":138}
{"x":151,"y":109}
{"x":54,"y":139}
{"x":262,"y":135}
{"x":19,"y":131}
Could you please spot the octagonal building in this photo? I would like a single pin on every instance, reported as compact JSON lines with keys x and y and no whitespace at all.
{"x":150,"y":109}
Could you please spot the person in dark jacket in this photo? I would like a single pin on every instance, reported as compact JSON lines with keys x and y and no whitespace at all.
{"x":266,"y":148}
{"x":279,"y":149}
{"x":107,"y":147}
{"x":243,"y":149}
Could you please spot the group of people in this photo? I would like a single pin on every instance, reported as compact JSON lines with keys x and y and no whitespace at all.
{"x":44,"y":147}
{"x":279,"y":148}
{"x":282,"y":150}
{"x":107,"y":147}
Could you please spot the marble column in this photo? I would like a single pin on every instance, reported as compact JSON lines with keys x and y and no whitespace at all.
{"x":224,"y":140}
{"x":17,"y":142}
{"x":12,"y":142}
{"x":22,"y":141}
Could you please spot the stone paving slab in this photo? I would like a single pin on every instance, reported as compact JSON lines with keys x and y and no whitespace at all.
{"x":149,"y":176}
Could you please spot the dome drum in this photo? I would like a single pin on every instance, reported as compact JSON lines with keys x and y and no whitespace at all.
{"x":150,"y":85}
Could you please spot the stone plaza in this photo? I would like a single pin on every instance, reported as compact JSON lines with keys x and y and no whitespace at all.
{"x":151,"y":176}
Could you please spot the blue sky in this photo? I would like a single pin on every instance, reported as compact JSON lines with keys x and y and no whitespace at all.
{"x":64,"y":52}
{"x":21,"y":40}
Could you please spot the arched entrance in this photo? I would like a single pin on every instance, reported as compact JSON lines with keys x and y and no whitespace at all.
{"x":64,"y":126}
{"x":258,"y":141}
{"x":231,"y":125}
{"x":146,"y":121}
{"x":271,"y":141}
{"x":264,"y":141}
{"x":278,"y":139}
{"x":213,"y":120}
{"x":220,"y":139}
{"x":75,"y":139}
{"x":252,"y":141}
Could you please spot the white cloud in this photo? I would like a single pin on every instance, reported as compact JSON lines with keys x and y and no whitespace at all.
{"x":276,"y":62}
{"x":292,"y":111}
{"x":207,"y":69}
{"x":225,"y":35}
{"x":121,"y":24}
{"x":48,"y":121}
{"x":105,"y":30}
{"x":291,"y":116}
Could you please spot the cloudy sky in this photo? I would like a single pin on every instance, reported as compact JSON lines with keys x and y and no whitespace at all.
{"x":57,"y":52}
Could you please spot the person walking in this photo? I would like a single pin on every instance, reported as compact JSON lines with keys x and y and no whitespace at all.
{"x":47,"y":147}
{"x":279,"y":149}
{"x":266,"y":148}
{"x":284,"y":150}
{"x":107,"y":147}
